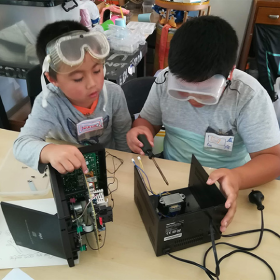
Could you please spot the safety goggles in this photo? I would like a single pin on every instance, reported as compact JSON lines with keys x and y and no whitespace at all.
{"x":207,"y":92}
{"x":67,"y":53}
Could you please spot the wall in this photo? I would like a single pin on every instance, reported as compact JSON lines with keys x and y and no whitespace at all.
{"x":236,"y":12}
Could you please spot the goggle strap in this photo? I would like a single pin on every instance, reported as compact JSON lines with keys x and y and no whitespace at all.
{"x":45,"y":68}
{"x":105,"y":94}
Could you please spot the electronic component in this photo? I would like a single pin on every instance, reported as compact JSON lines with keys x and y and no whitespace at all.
{"x":171,"y":204}
{"x":81,"y":209}
{"x":92,"y":179}
{"x":78,"y":198}
{"x":106,"y":214}
{"x":100,"y":199}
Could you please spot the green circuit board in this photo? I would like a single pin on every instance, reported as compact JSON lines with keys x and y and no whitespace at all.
{"x":74,"y":183}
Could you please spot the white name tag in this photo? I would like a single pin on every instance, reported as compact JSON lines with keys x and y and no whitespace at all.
{"x":220,"y":142}
{"x":89,"y":125}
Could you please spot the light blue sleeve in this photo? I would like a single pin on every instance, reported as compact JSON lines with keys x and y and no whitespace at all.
{"x":31,"y":140}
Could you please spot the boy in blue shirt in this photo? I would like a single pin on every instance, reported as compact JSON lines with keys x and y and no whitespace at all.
{"x":221,"y":115}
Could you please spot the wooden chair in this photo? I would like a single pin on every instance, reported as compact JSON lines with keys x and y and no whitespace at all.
{"x":186,"y":7}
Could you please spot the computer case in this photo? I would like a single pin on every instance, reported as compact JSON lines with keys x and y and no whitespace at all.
{"x":202,"y":204}
{"x":53,"y":234}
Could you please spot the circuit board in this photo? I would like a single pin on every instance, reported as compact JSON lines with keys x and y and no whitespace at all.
{"x":74,"y":183}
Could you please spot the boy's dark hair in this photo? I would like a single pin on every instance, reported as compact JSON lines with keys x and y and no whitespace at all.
{"x":201,"y":48}
{"x":52,"y":31}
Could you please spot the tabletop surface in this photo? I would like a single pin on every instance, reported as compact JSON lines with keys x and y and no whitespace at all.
{"x":128,"y":253}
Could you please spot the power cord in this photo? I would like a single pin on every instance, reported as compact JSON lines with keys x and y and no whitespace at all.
{"x":255,"y":197}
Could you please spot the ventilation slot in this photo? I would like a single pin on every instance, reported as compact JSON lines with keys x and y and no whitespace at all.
{"x":186,"y":241}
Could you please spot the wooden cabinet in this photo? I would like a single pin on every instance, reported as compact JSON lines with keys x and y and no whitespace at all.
{"x":264,"y":12}
{"x":267,"y":15}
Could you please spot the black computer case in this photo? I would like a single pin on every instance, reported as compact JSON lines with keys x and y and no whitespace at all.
{"x":202,"y":204}
{"x":58,"y":232}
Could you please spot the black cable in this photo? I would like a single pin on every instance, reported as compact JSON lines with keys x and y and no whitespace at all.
{"x":110,"y":192}
{"x":114,"y":177}
{"x":208,"y":272}
{"x":212,"y":234}
{"x":114,"y":157}
{"x":239,"y":247}
{"x":228,"y":86}
{"x":100,"y":246}
{"x":251,"y":254}
{"x":164,"y":79}
{"x":251,"y":231}
{"x":115,"y":180}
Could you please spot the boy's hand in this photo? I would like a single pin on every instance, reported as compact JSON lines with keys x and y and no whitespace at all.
{"x":229,"y":182}
{"x":64,"y":158}
{"x":133,"y":143}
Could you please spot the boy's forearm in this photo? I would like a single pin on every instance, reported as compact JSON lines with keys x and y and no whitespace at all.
{"x":142,"y":122}
{"x":28,"y":149}
{"x":260,"y":170}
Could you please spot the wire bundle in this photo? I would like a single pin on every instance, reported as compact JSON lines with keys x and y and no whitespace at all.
{"x":239,"y":249}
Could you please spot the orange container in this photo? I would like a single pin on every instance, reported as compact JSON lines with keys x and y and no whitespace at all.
{"x":164,"y":55}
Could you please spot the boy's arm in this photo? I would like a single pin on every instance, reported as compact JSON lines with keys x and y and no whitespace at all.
{"x":259,"y":129}
{"x":31,"y":149}
{"x":121,"y":122}
{"x":264,"y":167}
{"x":149,"y":121}
{"x":141,"y":126}
{"x":31,"y":140}
{"x":142,"y":122}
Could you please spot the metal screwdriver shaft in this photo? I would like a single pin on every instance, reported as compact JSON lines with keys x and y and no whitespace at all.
{"x":162,"y":175}
{"x":147,"y":149}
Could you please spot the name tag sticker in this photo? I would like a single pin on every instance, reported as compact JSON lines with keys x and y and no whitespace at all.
{"x":89,"y":125}
{"x":219,"y":142}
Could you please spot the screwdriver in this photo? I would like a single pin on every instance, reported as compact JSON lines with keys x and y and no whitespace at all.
{"x":147,"y":149}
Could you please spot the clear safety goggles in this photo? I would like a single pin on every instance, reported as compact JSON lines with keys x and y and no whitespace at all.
{"x":67,"y":53}
{"x":207,"y":92}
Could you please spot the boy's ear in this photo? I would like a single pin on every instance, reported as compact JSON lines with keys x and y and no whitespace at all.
{"x":50,"y":79}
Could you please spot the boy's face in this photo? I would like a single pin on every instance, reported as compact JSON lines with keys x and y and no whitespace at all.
{"x":82,"y":86}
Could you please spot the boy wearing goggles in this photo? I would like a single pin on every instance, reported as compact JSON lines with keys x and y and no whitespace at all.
{"x":229,"y":125}
{"x":77,"y":106}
